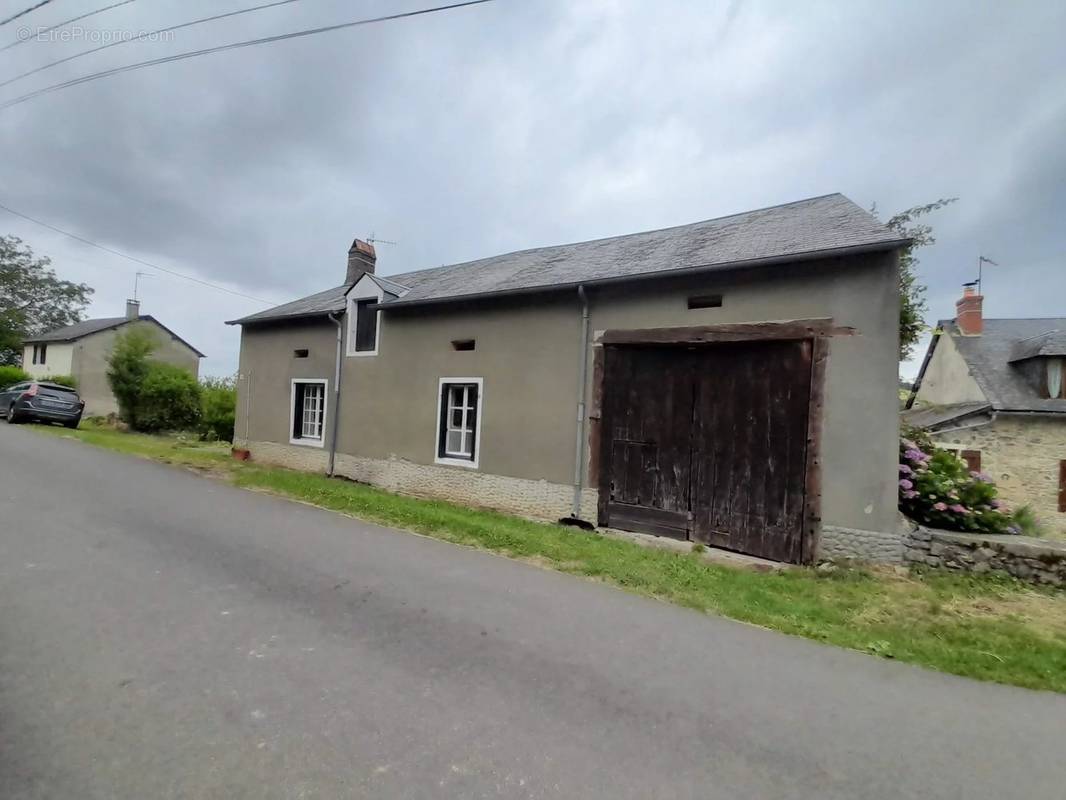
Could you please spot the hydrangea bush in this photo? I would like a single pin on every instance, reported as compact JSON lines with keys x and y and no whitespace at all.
{"x":938,"y":489}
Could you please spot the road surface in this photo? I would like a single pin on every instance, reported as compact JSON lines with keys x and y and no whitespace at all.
{"x":163,"y":635}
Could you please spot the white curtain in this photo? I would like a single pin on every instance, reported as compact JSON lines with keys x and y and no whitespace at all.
{"x":1054,"y":377}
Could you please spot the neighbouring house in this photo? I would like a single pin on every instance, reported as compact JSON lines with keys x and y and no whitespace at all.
{"x":731,"y":382}
{"x":992,"y":391}
{"x":81,"y":350}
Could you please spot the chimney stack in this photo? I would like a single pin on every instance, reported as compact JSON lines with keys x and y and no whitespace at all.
{"x":361,"y":259}
{"x":969,"y":311}
{"x":133,"y":309}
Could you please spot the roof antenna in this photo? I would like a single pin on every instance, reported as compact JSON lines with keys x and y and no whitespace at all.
{"x":373,"y":240}
{"x":981,"y":261}
{"x":136,"y":280}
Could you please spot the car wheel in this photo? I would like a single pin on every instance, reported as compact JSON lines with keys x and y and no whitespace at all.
{"x":11,"y":418}
{"x":73,"y":424}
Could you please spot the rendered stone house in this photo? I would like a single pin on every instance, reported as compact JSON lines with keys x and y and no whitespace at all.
{"x":729,"y":382}
{"x":993,"y":391}
{"x":82,"y":349}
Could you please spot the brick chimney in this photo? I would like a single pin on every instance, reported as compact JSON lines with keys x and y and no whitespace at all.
{"x":969,"y":314}
{"x":133,"y":309}
{"x":361,"y":259}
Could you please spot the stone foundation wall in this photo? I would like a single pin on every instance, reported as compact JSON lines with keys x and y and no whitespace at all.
{"x":885,"y":547}
{"x":1022,"y":456}
{"x":536,"y":499}
{"x":1038,"y":561}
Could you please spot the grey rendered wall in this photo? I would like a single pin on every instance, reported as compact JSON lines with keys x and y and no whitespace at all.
{"x":90,"y":363}
{"x":527,"y":354}
{"x":948,"y":379}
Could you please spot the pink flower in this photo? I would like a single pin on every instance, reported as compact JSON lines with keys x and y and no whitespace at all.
{"x":906,"y":484}
{"x":958,"y":508}
{"x":910,"y":495}
{"x":905,"y":470}
{"x":940,"y":506}
{"x":996,"y":503}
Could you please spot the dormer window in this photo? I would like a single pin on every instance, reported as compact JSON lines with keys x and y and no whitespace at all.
{"x":1054,"y":377}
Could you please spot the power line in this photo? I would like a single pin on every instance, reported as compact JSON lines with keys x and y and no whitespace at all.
{"x":24,"y":12}
{"x":134,"y":259}
{"x":42,"y":31}
{"x":142,"y":37}
{"x":235,"y":45}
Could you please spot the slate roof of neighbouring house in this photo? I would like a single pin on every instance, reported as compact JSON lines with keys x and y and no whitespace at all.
{"x":934,"y":416}
{"x":989,"y":357}
{"x":79,"y":330}
{"x":817,"y":227}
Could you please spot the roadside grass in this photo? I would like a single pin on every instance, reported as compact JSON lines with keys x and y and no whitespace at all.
{"x":989,"y":628}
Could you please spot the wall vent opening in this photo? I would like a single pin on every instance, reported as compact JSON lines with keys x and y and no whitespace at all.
{"x":300,"y":353}
{"x":705,"y":301}
{"x":463,"y":344}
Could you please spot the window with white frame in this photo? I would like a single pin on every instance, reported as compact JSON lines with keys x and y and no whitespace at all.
{"x":459,"y":421}
{"x":364,"y":322}
{"x":308,"y":412}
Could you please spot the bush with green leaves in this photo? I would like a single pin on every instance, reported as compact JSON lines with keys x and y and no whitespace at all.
{"x":12,"y":375}
{"x":168,"y":400}
{"x":127,"y":368}
{"x":63,"y":380}
{"x":937,"y":489}
{"x":218,"y":409}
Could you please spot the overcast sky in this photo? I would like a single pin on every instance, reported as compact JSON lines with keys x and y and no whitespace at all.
{"x":522,"y":123}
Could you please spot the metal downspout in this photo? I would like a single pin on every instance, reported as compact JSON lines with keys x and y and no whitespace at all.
{"x":579,"y":445}
{"x":336,"y":396}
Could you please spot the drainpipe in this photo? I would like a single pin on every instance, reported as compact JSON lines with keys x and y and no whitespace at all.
{"x":336,"y":396}
{"x":582,"y":379}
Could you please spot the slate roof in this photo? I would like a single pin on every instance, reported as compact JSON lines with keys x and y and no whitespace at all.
{"x":989,"y":358}
{"x":819,"y":226}
{"x":934,"y":416}
{"x":1052,"y":343}
{"x":80,"y":330}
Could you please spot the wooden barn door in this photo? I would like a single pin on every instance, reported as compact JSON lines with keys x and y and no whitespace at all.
{"x":749,"y":448}
{"x":647,"y":413}
{"x":708,"y":443}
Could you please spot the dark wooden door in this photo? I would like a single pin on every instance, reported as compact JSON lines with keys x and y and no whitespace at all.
{"x":749,"y":448}
{"x":708,"y":443}
{"x":647,"y":414}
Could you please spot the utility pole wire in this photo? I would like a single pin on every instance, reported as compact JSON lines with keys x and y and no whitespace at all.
{"x":24,"y":12}
{"x":235,"y":45}
{"x":42,"y":31}
{"x":132,"y":258}
{"x":171,"y":29}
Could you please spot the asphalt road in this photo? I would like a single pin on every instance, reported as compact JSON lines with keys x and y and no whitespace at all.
{"x":166,"y":636}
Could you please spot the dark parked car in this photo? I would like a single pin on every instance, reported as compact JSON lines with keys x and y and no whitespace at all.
{"x":41,"y":401}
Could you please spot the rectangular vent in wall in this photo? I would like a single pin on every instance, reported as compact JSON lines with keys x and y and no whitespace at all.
{"x":299,"y":353}
{"x":463,"y":344}
{"x":705,"y":301}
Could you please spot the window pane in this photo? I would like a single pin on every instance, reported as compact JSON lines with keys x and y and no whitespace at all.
{"x":1054,"y":377}
{"x":468,"y":443}
{"x":454,"y":443}
{"x":366,"y":326}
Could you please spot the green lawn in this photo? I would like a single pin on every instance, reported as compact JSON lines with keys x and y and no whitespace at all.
{"x":987,"y":628}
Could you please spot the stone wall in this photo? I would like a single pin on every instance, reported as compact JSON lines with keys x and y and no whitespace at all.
{"x":884,"y":547}
{"x":536,"y":499}
{"x":1038,"y":561}
{"x":1022,"y":456}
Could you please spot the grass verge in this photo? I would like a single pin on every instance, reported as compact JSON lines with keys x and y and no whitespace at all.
{"x":988,"y":628}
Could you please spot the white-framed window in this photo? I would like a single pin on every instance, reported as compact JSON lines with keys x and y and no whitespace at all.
{"x":364,"y":322}
{"x":459,"y":410}
{"x":307,"y":411}
{"x":40,"y":353}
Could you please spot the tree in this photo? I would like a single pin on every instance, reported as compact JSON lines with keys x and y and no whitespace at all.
{"x":912,"y":305}
{"x":169,"y":399}
{"x":33,"y":299}
{"x":128,"y":366}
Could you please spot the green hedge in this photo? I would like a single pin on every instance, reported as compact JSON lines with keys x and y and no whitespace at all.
{"x":218,"y":409}
{"x":12,"y":375}
{"x":168,"y":399}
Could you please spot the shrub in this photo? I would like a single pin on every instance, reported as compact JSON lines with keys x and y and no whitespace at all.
{"x":168,"y":400}
{"x":218,"y":409}
{"x":128,"y":367}
{"x":938,"y":489}
{"x":12,"y":375}
{"x":63,"y":380}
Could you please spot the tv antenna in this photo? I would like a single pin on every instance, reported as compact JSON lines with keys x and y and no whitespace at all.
{"x":372,"y":238}
{"x":981,"y":261}
{"x":137,"y":279}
